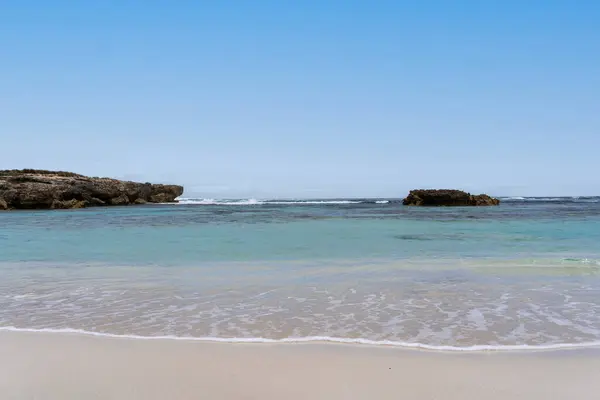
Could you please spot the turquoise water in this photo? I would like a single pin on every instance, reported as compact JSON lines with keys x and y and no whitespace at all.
{"x":522,"y":274}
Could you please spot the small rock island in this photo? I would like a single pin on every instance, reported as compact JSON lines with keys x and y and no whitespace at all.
{"x":39,"y":189}
{"x":447,"y":197}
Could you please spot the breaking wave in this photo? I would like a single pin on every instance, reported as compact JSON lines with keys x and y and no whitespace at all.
{"x":251,"y":202}
{"x":563,"y":199}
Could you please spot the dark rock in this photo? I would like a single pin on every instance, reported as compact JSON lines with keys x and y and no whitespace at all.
{"x":163,"y":193}
{"x":121,"y":200}
{"x":38,"y":189}
{"x":161,"y":198}
{"x":446,"y":197}
{"x":484,"y":200}
{"x":94,"y":202}
{"x":67,"y":204}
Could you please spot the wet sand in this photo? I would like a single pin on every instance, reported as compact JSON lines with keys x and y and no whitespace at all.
{"x":53,"y":366}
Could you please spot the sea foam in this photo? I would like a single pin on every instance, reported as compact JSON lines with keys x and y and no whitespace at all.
{"x":250,"y":202}
{"x":312,"y":339}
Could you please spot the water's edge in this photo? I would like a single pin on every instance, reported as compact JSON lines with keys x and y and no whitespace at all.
{"x":321,"y":339}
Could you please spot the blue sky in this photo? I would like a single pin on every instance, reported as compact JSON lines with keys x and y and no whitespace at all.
{"x":306,"y":98}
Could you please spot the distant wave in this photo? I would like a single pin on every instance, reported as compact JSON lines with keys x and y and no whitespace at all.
{"x":210,"y":202}
{"x":250,"y":202}
{"x":308,"y":339}
{"x":563,"y":199}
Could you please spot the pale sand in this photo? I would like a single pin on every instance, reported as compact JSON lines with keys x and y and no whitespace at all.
{"x":63,"y":366}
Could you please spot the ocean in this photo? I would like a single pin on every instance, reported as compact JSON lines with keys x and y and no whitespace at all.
{"x":523,"y":275}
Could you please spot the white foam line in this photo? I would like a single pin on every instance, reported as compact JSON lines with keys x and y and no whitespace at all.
{"x":254,"y":203}
{"x":557,"y":346}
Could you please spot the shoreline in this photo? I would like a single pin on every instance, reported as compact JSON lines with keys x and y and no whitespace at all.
{"x":71,"y":366}
{"x":321,"y":340}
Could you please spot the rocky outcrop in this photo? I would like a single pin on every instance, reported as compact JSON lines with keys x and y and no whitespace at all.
{"x":446,"y":197}
{"x":38,"y":189}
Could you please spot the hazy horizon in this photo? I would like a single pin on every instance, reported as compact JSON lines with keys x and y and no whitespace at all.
{"x":184,"y":196}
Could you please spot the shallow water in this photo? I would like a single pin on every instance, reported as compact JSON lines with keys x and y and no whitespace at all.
{"x":526,"y":273}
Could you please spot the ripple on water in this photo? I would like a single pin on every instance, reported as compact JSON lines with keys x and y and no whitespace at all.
{"x":441,"y":308}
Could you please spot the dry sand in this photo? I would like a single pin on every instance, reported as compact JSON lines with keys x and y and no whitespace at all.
{"x":68,"y":366}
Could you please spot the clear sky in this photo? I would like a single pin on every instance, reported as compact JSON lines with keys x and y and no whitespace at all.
{"x":306,"y":98}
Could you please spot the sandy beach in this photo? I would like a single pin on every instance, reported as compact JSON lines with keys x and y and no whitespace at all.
{"x":69,"y":366}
